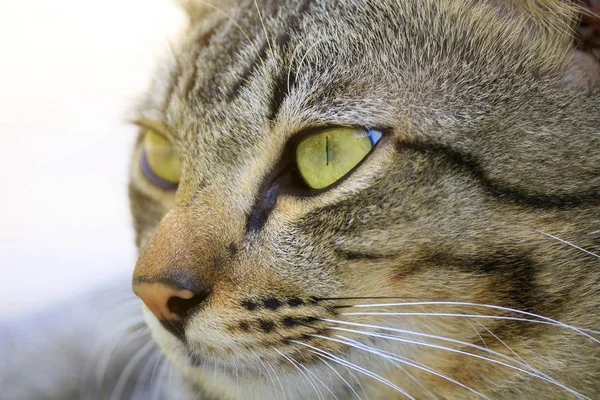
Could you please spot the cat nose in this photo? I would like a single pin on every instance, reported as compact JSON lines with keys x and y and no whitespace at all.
{"x":177,"y":271}
{"x":169,"y":301}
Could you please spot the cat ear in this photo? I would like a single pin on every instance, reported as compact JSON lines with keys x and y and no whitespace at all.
{"x":571,"y":31}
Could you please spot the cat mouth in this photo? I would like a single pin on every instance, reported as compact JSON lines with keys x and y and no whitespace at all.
{"x":254,"y":366}
{"x":267,"y":331}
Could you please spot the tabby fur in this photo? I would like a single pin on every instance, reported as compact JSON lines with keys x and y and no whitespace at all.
{"x":466,"y":243}
{"x":491,"y":154}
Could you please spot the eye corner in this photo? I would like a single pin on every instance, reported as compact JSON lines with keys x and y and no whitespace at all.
{"x":375,"y":135}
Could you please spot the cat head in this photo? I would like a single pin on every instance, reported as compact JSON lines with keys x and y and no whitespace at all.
{"x":374,"y":196}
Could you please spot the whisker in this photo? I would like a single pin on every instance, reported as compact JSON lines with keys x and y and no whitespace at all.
{"x":147,"y":371}
{"x":569,"y":244}
{"x":160,"y":372}
{"x":237,"y":26}
{"x":431,"y":345}
{"x":341,"y":377}
{"x":97,"y":365}
{"x":405,"y":361}
{"x":356,"y":379}
{"x":351,"y":373}
{"x":317,"y":299}
{"x":237,"y":377}
{"x":278,"y":380}
{"x":427,"y":335}
{"x":512,"y":351}
{"x":263,"y":26}
{"x":398,"y":365}
{"x":317,"y":378}
{"x":312,"y":46}
{"x":440,"y":314}
{"x":477,"y":332}
{"x":117,"y":392}
{"x":107,"y":352}
{"x":289,"y":72}
{"x":269,"y":373}
{"x":545,"y":320}
{"x":355,"y":367}
{"x":318,"y":392}
{"x":170,"y":377}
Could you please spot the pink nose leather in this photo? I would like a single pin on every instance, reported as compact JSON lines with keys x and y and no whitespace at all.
{"x":156,"y":296}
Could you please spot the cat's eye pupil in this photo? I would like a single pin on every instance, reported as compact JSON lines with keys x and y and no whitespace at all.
{"x":327,"y":156}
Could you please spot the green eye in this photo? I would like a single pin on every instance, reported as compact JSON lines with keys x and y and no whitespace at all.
{"x":326,"y":157}
{"x":160,"y":160}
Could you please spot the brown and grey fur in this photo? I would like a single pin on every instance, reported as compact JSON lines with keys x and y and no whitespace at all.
{"x":491,"y":152}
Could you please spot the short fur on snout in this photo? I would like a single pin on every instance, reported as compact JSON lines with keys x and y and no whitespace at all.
{"x":458,"y":260}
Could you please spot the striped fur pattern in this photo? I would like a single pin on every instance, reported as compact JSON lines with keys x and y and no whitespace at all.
{"x":459,"y":261}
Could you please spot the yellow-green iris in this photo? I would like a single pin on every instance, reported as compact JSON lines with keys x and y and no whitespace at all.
{"x":326,"y":157}
{"x":161,"y":159}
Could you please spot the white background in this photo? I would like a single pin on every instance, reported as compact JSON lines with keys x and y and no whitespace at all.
{"x":69,"y":72}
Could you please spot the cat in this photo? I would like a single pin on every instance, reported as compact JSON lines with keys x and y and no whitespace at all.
{"x":365,"y":199}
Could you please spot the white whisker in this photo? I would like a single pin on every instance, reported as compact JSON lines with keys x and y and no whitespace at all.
{"x":278,"y":380}
{"x":318,"y":392}
{"x":398,"y":365}
{"x":569,"y":244}
{"x":356,"y":379}
{"x":430,"y":336}
{"x":289,"y":73}
{"x":170,"y":377}
{"x":312,"y":46}
{"x":320,"y":381}
{"x":355,"y":367}
{"x":271,"y":376}
{"x":402,"y":360}
{"x":512,"y":351}
{"x":160,"y":372}
{"x":237,"y":26}
{"x":237,"y":376}
{"x":107,"y":353}
{"x":341,"y":377}
{"x":147,"y":371}
{"x":544,"y":320}
{"x":263,"y":26}
{"x":477,"y":333}
{"x":431,"y":345}
{"x":440,"y":314}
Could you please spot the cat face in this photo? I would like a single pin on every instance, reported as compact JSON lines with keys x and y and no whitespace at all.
{"x":465,"y":163}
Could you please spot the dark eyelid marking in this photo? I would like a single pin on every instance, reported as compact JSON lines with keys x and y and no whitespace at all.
{"x":497,"y":189}
{"x":259,"y":215}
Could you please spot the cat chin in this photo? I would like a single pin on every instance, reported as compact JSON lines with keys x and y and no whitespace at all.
{"x":220,"y":380}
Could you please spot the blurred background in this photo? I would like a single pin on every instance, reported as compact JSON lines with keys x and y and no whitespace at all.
{"x":70,"y":71}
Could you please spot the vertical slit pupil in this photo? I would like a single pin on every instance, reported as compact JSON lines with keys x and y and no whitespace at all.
{"x":327,"y":149}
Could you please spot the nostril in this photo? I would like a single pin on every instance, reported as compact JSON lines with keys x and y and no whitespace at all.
{"x":183,"y":307}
